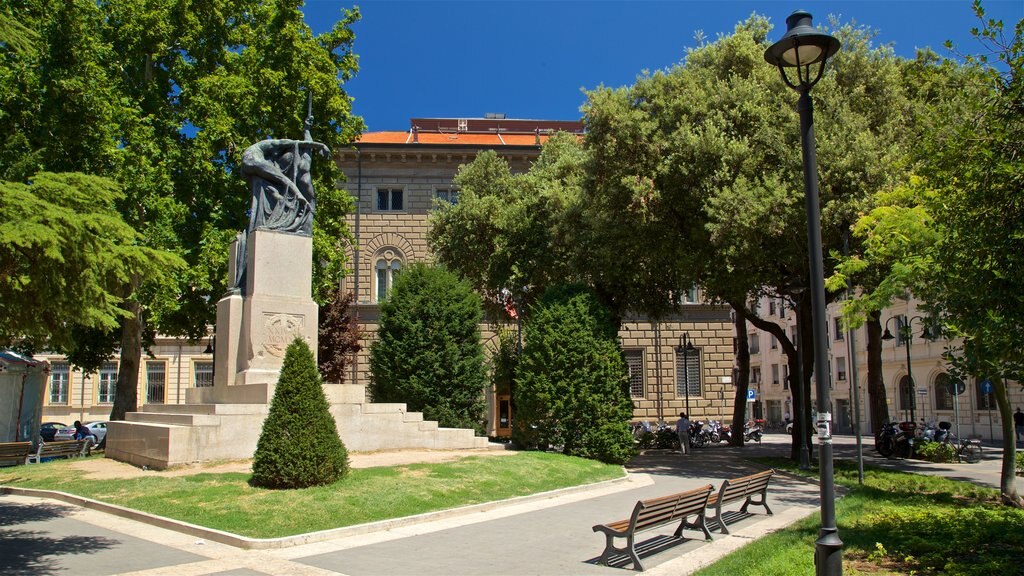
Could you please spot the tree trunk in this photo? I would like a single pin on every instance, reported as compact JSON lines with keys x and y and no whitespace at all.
{"x":878,"y":407}
{"x":1007,"y":480}
{"x":127,"y":391}
{"x":742,"y":379}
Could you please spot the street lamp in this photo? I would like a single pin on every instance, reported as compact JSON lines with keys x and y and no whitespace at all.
{"x":684,"y":348}
{"x":907,"y":335}
{"x":805,"y":50}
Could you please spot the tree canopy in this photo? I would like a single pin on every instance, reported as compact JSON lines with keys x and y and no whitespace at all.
{"x":163,"y":98}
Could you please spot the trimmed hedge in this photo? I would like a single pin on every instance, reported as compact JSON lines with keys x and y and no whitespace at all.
{"x":572,"y":388}
{"x":299,"y":445}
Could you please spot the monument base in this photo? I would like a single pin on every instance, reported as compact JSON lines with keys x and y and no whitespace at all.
{"x":167,"y":435}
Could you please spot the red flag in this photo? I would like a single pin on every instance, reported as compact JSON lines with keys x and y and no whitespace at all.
{"x":510,"y":307}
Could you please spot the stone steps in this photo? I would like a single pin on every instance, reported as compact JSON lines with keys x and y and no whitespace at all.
{"x":166,"y":435}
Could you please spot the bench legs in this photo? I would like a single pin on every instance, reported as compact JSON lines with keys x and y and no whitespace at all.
{"x":763,"y":501}
{"x":610,"y":548}
{"x":698,"y":523}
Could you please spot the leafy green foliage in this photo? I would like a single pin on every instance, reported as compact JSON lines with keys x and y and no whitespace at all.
{"x":163,"y":98}
{"x":65,"y":253}
{"x":339,"y":337}
{"x":572,"y":391}
{"x":934,"y":451}
{"x":428,"y":352}
{"x":299,"y":445}
{"x":514,"y":231}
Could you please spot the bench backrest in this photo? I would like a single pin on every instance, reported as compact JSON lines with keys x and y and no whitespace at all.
{"x":9,"y":450}
{"x":66,"y":448}
{"x":657,"y":511}
{"x":740,"y":488}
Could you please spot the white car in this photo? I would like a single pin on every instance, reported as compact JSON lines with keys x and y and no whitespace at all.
{"x":98,"y":429}
{"x":789,"y":428}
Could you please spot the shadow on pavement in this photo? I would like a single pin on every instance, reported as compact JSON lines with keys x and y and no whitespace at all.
{"x":30,"y":552}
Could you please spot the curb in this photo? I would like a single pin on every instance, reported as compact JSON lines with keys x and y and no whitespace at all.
{"x":247,"y":543}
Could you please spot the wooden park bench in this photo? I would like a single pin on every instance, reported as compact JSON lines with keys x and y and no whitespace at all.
{"x":736,"y":489}
{"x":65,"y":449}
{"x":652,"y":513}
{"x":17,"y":452}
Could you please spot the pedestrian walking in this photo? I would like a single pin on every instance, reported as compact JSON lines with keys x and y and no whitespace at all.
{"x":1018,"y":423}
{"x":683,"y":431}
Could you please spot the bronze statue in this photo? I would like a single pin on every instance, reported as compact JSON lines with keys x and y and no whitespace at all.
{"x":282,"y":189}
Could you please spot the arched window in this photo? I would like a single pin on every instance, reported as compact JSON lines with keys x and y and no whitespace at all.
{"x":386,"y":270}
{"x":906,"y":393}
{"x":943,"y":397}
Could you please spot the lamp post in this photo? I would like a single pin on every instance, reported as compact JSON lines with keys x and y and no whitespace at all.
{"x":684,"y":348}
{"x":907,"y":335}
{"x":805,"y":50}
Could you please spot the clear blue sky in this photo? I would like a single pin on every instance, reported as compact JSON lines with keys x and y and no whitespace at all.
{"x":531,"y":59}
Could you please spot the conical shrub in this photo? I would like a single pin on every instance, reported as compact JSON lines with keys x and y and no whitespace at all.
{"x":299,"y":445}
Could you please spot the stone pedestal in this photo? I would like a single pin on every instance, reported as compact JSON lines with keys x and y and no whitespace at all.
{"x":255,"y":327}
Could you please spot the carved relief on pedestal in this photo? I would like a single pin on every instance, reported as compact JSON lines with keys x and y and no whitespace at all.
{"x":279,"y":330}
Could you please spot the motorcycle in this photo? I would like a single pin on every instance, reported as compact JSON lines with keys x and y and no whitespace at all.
{"x":896,"y":439}
{"x":699,"y":437}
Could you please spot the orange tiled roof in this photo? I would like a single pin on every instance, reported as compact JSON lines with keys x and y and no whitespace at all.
{"x":453,"y":138}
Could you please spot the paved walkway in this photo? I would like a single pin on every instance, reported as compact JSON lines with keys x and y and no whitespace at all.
{"x":550,"y":535}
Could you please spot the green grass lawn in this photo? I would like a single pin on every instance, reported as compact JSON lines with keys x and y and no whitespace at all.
{"x":227,"y":502}
{"x":896,"y":523}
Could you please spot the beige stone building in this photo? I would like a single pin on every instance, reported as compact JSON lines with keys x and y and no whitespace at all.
{"x":924,"y":388}
{"x":396,"y":179}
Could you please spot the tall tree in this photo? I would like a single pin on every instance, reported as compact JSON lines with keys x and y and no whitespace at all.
{"x":163,"y":97}
{"x":957,"y":235}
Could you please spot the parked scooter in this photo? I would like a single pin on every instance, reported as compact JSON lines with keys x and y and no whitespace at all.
{"x":699,"y":436}
{"x":714,"y":428}
{"x":896,"y":439}
{"x":752,"y":430}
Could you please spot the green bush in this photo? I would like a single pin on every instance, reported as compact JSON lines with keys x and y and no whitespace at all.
{"x":572,"y":390}
{"x":299,"y":445}
{"x":428,"y":352}
{"x":934,"y":451}
{"x":1020,"y":463}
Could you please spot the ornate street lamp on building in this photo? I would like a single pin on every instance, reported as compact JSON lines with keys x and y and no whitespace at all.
{"x":907,"y":336}
{"x":803,"y":50}
{"x":684,"y":348}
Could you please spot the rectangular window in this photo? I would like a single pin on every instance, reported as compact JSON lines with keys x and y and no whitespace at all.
{"x":108,"y":383}
{"x":60,"y":376}
{"x":782,"y":308}
{"x":635,"y":367}
{"x":840,"y":369}
{"x":754,"y":342}
{"x":785,"y":376}
{"x":774,"y":342}
{"x":755,"y":375}
{"x":837,"y":326}
{"x":156,"y":382}
{"x":775,"y":374}
{"x":389,"y":199}
{"x":688,"y":373}
{"x":203,"y":374}
{"x":449,"y":195}
{"x":771,"y":307}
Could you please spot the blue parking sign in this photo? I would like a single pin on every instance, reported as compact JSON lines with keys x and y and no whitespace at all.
{"x":751,"y":395}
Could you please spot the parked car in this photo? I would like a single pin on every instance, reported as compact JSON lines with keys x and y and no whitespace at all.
{"x":48,"y":429}
{"x":98,"y":429}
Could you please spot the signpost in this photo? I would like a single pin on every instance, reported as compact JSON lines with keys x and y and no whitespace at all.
{"x":986,"y":389}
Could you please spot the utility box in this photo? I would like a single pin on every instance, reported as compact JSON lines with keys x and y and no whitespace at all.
{"x":22,"y":389}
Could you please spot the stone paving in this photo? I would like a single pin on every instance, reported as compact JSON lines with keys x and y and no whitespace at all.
{"x":546,"y":535}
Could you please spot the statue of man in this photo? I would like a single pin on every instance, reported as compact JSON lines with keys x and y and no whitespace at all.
{"x":278,"y":174}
